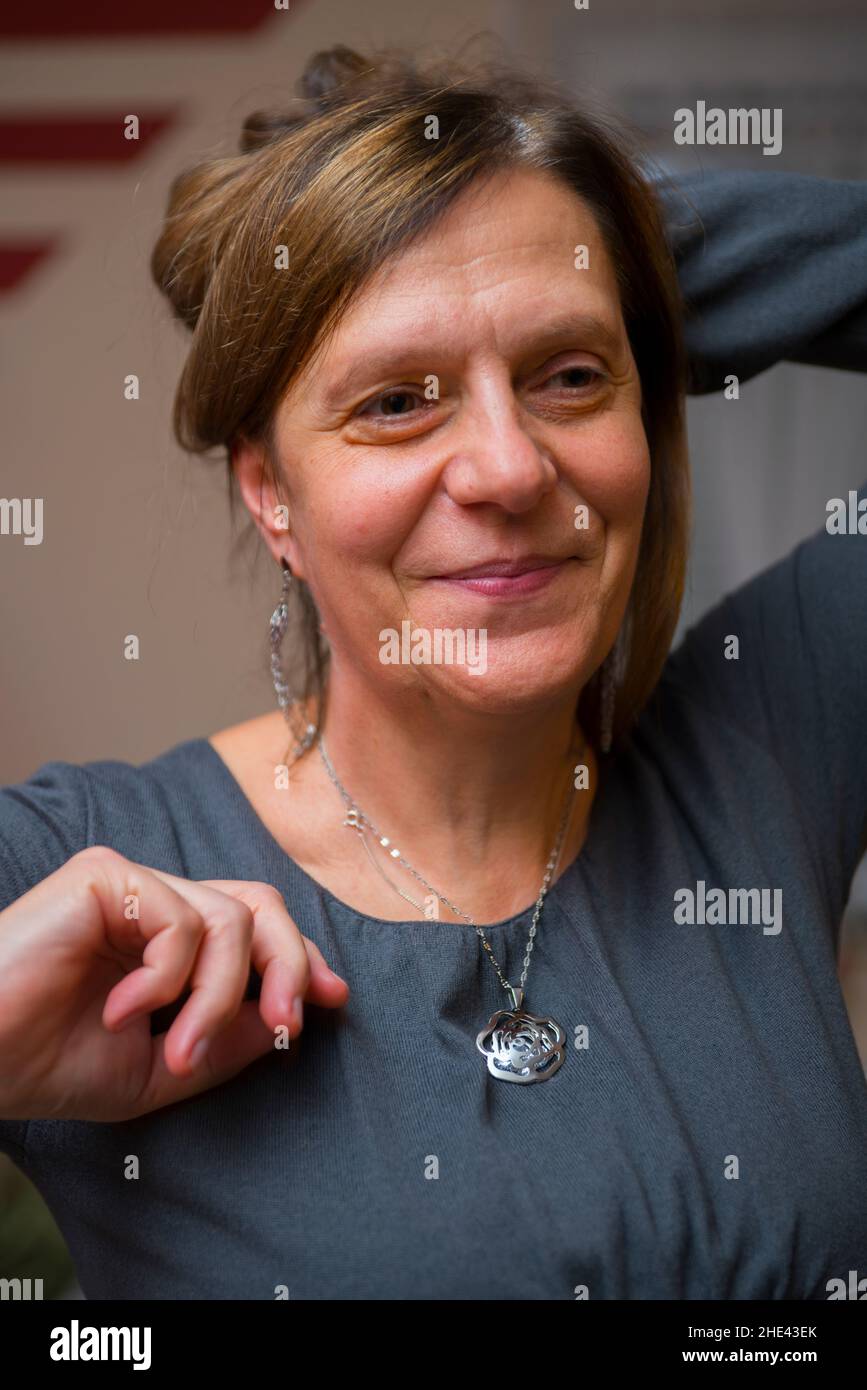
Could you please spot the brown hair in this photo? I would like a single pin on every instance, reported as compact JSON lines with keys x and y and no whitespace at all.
{"x":344,"y":178}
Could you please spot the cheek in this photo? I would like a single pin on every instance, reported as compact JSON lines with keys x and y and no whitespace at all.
{"x":347,"y":509}
{"x":615,"y":476}
{"x":354,"y":522}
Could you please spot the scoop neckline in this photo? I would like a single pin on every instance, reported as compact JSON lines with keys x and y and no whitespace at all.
{"x":225,"y":773}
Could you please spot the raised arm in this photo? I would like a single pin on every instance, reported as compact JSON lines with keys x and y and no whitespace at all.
{"x":776,"y":268}
{"x":773,"y":267}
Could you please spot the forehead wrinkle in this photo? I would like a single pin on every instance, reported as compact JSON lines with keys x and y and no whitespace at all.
{"x":419,"y":262}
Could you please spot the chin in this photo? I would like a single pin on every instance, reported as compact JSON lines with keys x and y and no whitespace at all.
{"x":502,"y":684}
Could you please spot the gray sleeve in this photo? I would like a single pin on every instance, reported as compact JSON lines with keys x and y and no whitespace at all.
{"x":772,"y":267}
{"x":798,"y":686}
{"x":43,"y":822}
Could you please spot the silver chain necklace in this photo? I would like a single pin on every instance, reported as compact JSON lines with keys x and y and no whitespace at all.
{"x":519,"y":1046}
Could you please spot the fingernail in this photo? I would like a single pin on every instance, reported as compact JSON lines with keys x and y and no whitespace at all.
{"x":124,"y":1022}
{"x":298,"y":1011}
{"x":198,"y":1052}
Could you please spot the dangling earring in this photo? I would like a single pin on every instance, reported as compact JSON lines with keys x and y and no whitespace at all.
{"x":277,"y":631}
{"x":279,"y":623}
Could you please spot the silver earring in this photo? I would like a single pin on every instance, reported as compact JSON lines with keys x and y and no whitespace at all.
{"x":277,"y":631}
{"x":279,"y":623}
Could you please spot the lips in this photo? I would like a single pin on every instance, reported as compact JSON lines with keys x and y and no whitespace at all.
{"x":507,"y":579}
{"x":505,"y":569}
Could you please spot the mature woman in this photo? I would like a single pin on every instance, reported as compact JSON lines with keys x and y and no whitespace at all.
{"x":582,"y":896}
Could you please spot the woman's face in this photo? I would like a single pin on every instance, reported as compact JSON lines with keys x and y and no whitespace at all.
{"x":477,"y":392}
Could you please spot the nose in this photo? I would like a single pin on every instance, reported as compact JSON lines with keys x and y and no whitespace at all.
{"x":494,"y":458}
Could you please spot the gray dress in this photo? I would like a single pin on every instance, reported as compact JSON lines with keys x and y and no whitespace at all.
{"x":708,"y":1139}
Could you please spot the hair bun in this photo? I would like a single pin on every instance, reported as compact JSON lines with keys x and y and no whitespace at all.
{"x":328,"y":71}
{"x":322,"y":85}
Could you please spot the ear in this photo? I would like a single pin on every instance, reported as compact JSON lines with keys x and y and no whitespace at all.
{"x":269,"y":510}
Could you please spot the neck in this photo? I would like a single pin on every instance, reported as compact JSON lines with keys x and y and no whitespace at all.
{"x":473,"y":800}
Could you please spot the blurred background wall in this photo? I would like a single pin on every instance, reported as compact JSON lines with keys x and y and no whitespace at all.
{"x":137,"y":538}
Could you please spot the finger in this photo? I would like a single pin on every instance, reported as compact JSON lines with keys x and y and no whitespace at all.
{"x":219,"y":975}
{"x":243,"y":1040}
{"x":292,"y":967}
{"x":326,"y":986}
{"x":276,"y":950}
{"x":135,"y":907}
{"x":217,"y":988}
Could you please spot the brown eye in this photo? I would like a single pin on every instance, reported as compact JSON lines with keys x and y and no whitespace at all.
{"x":578,"y":378}
{"x":394,"y":403}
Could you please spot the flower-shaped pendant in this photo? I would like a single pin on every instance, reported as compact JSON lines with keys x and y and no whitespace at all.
{"x":520,"y":1046}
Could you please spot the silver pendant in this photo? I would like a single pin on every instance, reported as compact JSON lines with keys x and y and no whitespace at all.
{"x":520,"y":1046}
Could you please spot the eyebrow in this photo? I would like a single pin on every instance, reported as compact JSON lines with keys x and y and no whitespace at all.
{"x":587,"y":328}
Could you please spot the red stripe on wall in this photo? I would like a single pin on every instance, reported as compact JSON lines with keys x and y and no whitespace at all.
{"x":67,"y":137}
{"x":19,"y":259}
{"x":53,"y":19}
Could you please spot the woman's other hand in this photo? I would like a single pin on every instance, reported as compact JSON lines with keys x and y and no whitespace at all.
{"x":89,"y":953}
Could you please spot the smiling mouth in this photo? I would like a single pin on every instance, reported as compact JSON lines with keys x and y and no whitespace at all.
{"x":508,"y":577}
